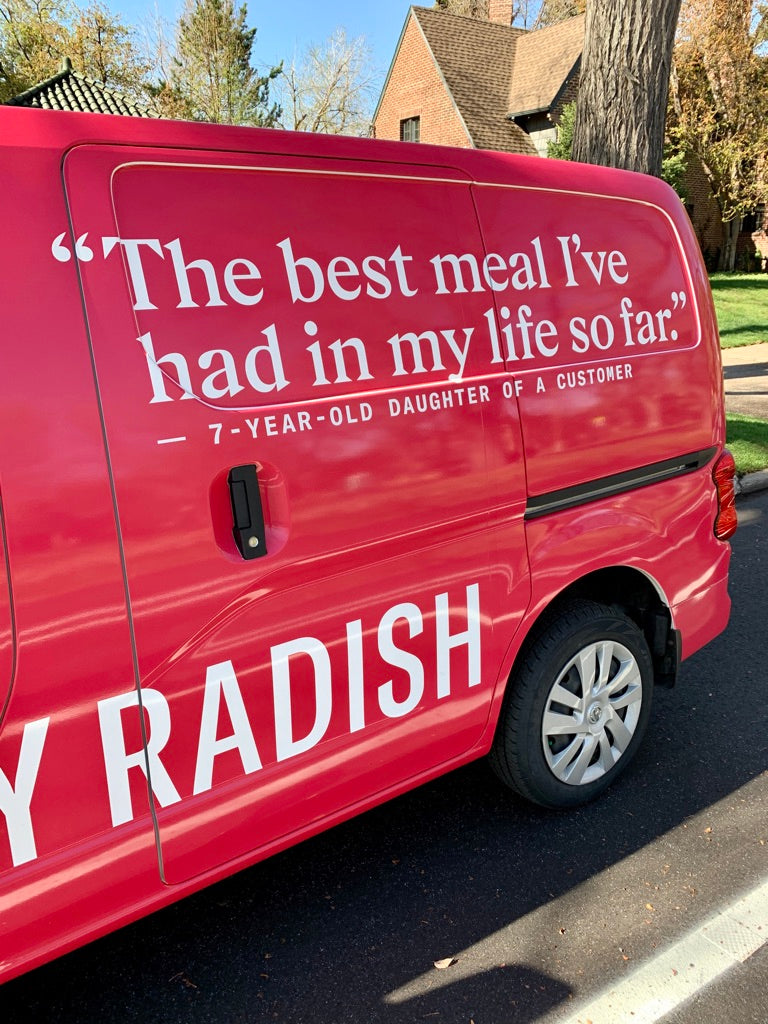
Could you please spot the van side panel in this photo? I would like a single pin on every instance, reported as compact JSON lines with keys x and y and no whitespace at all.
{"x":286,"y":315}
{"x":599,"y":319}
{"x":679,"y":555}
{"x":605,"y":321}
{"x":73,"y":646}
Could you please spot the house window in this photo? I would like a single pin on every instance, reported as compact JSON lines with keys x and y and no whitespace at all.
{"x":410,"y":129}
{"x":749,"y":222}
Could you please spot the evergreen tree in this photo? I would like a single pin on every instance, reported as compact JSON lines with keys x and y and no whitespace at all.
{"x":563,"y":148}
{"x":211,"y":77}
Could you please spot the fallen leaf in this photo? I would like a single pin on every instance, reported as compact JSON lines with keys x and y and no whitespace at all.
{"x":449,"y":961}
{"x":649,"y":906}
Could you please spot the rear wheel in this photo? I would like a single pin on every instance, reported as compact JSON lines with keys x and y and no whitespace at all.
{"x":576,"y":708}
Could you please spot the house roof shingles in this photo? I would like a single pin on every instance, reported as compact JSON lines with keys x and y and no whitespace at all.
{"x":543,"y":61}
{"x":476,"y":60}
{"x":69,"y":90}
{"x":495,"y":72}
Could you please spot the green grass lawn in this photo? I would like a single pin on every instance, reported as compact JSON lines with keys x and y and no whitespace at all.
{"x":747,"y":439}
{"x":741,"y":301}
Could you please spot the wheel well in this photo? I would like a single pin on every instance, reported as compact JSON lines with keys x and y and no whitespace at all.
{"x":637,"y":597}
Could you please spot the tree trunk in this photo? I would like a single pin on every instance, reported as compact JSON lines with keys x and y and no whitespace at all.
{"x":624,"y":83}
{"x":731,"y":231}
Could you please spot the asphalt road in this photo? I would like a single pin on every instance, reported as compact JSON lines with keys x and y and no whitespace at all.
{"x":595,"y":915}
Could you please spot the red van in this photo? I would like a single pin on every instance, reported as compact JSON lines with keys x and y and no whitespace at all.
{"x":328,"y":465}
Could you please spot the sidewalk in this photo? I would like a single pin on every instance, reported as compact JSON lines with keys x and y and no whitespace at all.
{"x":746,"y":380}
{"x":745,"y":371}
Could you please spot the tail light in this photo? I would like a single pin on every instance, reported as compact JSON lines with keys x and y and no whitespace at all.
{"x":724,"y":474}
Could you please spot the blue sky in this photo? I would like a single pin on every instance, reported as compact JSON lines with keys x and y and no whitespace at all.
{"x":287,"y":26}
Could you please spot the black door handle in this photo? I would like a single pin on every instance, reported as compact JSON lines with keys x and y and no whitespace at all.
{"x":247,"y":512}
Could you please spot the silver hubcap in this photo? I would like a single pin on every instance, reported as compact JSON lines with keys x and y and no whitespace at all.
{"x":592,"y":712}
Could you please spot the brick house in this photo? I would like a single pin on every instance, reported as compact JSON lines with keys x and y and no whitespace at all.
{"x":460,"y":81}
{"x":752,"y":241}
{"x":465,"y":82}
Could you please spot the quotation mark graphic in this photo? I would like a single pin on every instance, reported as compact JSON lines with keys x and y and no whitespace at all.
{"x":679,"y":299}
{"x":63,"y":253}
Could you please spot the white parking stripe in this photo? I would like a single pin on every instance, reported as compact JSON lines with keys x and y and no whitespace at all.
{"x":656,"y":988}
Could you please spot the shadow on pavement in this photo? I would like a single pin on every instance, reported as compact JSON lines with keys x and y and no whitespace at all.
{"x":745,"y":370}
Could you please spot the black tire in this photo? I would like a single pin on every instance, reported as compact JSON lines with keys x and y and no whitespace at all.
{"x":591,"y":734}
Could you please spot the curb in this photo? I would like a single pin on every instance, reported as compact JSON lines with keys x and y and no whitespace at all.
{"x":751,"y":483}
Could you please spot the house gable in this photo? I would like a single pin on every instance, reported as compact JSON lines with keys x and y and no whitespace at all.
{"x":415,"y":88}
{"x":453,"y":73}
{"x":483,"y":83}
{"x":476,"y":59}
